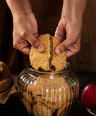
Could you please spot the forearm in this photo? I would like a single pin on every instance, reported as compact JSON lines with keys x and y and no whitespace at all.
{"x":19,"y":7}
{"x":73,"y":8}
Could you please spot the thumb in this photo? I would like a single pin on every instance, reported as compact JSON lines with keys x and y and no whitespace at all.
{"x":64,"y":45}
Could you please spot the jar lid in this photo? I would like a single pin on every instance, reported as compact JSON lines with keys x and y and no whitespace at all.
{"x":5,"y":77}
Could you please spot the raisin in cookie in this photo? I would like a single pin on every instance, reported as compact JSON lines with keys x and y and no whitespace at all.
{"x":58,"y":62}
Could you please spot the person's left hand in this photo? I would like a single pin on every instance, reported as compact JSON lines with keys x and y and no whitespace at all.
{"x":69,"y":33}
{"x":25,"y":33}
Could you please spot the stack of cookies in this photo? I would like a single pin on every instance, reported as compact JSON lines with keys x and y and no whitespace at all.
{"x":47,"y":97}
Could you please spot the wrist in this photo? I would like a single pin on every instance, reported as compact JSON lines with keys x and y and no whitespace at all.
{"x":19,"y":8}
{"x":73,"y":8}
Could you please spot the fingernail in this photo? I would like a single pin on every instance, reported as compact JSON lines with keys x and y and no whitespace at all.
{"x":40,"y":48}
{"x":58,"y":51}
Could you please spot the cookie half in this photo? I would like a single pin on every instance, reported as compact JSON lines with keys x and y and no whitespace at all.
{"x":40,"y":61}
{"x":58,"y":62}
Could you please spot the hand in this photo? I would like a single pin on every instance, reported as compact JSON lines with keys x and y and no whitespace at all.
{"x":25,"y":33}
{"x":69,"y":33}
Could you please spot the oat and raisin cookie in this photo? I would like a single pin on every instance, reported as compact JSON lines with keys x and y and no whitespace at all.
{"x":27,"y":105}
{"x":47,"y":60}
{"x":41,"y":60}
{"x":39,"y":109}
{"x":54,"y":93}
{"x":54,"y":87}
{"x":58,"y":62}
{"x":29,"y":97}
{"x":63,"y":111}
{"x":48,"y":96}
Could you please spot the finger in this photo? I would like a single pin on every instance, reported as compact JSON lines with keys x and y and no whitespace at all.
{"x":36,"y":35}
{"x":22,"y":46}
{"x":60,"y":31}
{"x":64,"y":45}
{"x":25,"y":50}
{"x":72,"y":50}
{"x":32,"y":40}
{"x":69,"y":53}
{"x":59,"y":35}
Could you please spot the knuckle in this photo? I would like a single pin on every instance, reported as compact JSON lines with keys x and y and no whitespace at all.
{"x":36,"y":35}
{"x":35,"y":43}
{"x":62,"y":47}
{"x":24,"y":33}
{"x":77,"y":49}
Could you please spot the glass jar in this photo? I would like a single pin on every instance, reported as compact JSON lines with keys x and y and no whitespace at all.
{"x":48,"y":93}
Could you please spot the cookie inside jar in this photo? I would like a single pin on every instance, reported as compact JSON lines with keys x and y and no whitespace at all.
{"x":48,"y":97}
{"x":47,"y":93}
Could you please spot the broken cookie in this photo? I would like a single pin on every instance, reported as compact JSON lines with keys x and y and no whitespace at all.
{"x":47,"y":60}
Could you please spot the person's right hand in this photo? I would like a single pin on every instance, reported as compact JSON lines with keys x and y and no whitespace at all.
{"x":25,"y":33}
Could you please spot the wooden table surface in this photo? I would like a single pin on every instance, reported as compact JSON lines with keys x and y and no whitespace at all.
{"x":13,"y":108}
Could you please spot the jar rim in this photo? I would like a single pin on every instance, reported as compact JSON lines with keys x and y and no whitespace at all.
{"x":65,"y":70}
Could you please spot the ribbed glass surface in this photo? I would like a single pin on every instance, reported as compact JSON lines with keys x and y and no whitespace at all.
{"x":48,"y":93}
